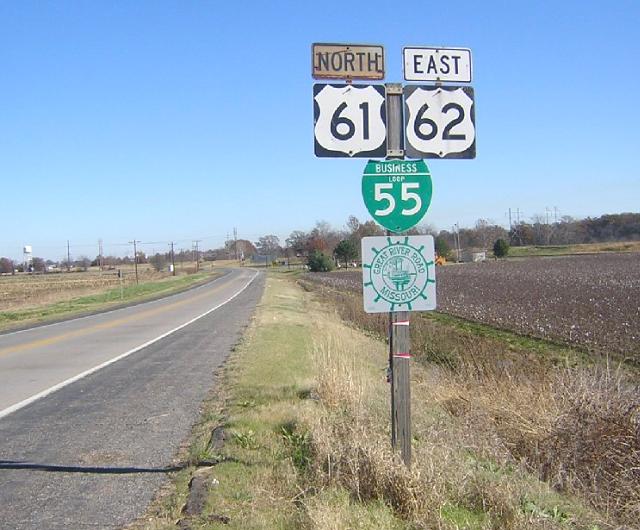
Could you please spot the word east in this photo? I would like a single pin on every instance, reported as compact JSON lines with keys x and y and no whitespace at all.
{"x":442,"y":66}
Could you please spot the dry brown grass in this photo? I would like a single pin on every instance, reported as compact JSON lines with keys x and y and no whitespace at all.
{"x":576,"y":427}
{"x":350,"y":444}
{"x":460,"y":478}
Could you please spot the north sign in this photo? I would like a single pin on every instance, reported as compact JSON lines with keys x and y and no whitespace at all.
{"x":437,"y":64}
{"x":347,"y":61}
{"x":439,"y":122}
{"x":398,"y":273}
{"x":397,"y":193}
{"x":350,"y":120}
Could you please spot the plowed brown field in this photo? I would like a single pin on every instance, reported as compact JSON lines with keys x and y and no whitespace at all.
{"x":592,"y":301}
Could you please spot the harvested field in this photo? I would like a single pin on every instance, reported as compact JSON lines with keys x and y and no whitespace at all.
{"x":592,"y":301}
{"x":27,"y":299}
{"x":31,"y":290}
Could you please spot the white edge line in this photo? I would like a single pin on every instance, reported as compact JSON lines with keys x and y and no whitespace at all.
{"x":100,"y":313}
{"x":51,"y":390}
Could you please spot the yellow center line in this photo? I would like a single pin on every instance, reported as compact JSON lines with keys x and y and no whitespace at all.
{"x":106,"y":325}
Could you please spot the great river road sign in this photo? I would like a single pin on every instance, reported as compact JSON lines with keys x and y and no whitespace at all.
{"x":398,"y":273}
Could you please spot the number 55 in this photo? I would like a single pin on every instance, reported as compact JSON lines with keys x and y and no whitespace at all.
{"x":406,"y":195}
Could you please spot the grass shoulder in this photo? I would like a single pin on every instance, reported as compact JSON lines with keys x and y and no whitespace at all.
{"x":303,"y":407}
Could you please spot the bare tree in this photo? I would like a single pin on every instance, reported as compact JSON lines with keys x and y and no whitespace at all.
{"x":6,"y":266}
{"x":269,"y":246}
{"x":38,"y":265}
{"x":298,"y":242}
{"x":83,"y":262}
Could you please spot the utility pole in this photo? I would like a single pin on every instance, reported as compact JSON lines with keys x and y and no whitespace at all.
{"x":100,"y":262}
{"x":399,"y":338}
{"x":135,"y":257}
{"x":235,"y":241}
{"x":68,"y":257}
{"x":547,"y":228}
{"x":173,"y":261}
{"x":455,"y":241}
{"x":514,"y":227}
{"x":197,"y":256}
{"x":511,"y":230}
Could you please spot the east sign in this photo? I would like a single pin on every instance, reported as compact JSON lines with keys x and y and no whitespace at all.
{"x":437,"y":64}
{"x":397,"y":193}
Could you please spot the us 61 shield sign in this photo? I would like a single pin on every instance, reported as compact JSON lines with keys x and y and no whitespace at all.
{"x":398,"y":273}
{"x":350,"y":121}
{"x":397,"y":193}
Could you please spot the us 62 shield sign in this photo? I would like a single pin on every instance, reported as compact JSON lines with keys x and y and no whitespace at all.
{"x":350,"y":120}
{"x":439,"y":122}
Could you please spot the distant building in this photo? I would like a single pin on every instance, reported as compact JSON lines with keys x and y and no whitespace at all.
{"x":473,"y":255}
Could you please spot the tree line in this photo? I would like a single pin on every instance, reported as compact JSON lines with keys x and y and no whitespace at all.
{"x":343,"y":245}
{"x":326,"y":245}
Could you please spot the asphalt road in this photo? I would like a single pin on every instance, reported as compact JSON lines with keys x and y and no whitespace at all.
{"x":93,"y":410}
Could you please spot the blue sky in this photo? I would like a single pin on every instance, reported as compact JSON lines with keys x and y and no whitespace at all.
{"x":179,"y":120}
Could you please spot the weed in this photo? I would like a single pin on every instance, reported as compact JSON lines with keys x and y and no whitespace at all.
{"x":299,"y":445}
{"x":556,"y":513}
{"x":246,"y":439}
